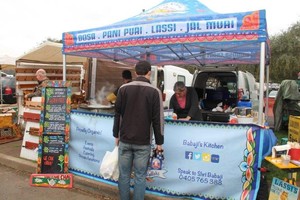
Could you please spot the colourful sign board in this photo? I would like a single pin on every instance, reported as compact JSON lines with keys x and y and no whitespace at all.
{"x":200,"y":159}
{"x":283,"y":190}
{"x":54,"y":131}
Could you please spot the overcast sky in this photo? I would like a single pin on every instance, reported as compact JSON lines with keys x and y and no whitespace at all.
{"x":27,"y":23}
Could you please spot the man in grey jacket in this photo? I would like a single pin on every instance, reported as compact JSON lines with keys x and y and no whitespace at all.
{"x":43,"y":80}
{"x":138,"y":114}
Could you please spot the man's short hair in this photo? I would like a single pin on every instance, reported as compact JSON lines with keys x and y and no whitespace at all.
{"x":126,"y":74}
{"x":142,"y":67}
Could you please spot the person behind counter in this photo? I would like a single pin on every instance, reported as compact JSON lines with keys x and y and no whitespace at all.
{"x":43,"y":80}
{"x":138,"y":108}
{"x":127,"y":77}
{"x":184,"y":102}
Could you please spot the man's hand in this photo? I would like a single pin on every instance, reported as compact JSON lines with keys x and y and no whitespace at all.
{"x":117,"y":141}
{"x":159,"y":148}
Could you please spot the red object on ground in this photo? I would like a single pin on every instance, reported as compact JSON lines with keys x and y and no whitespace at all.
{"x":271,"y":100}
{"x":270,"y":106}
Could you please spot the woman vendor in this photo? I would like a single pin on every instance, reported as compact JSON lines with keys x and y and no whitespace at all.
{"x":184,"y":102}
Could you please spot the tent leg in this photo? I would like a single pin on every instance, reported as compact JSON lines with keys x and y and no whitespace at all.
{"x":267,"y":92}
{"x":93,"y":79}
{"x":1,"y":98}
{"x":64,"y":67}
{"x":261,"y":83}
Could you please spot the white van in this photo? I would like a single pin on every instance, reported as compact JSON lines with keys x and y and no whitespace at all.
{"x":164,"y":78}
{"x":216,"y":85}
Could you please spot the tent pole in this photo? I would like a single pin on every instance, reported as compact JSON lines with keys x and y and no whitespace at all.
{"x":93,"y":79}
{"x":261,"y":83}
{"x":267,"y":92}
{"x":64,"y":67}
{"x":1,"y":98}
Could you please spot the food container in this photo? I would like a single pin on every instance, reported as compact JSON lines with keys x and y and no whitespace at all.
{"x":168,"y":114}
{"x":245,"y":103}
{"x":245,"y":120}
{"x":295,"y":154}
{"x":285,"y":160}
{"x":243,"y":111}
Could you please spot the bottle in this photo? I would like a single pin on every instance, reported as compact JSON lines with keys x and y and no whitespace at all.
{"x":245,"y":107}
{"x":174,"y":116}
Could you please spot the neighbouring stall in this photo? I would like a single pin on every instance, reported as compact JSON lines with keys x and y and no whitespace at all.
{"x":215,"y":160}
{"x":49,"y":57}
{"x":287,"y":103}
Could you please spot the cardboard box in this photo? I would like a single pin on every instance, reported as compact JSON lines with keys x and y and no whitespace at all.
{"x":294,"y":128}
{"x":6,"y":120}
{"x":33,"y":105}
{"x":32,"y":117}
{"x":293,"y":135}
{"x":294,"y":122}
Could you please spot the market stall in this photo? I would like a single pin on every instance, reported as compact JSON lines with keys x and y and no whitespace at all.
{"x":181,"y":32}
{"x":48,"y":56}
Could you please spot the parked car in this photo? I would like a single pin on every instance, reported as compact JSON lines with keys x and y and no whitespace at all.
{"x":8,"y":84}
{"x":225,"y":86}
{"x":3,"y":74}
{"x":274,"y":86}
{"x":273,"y":94}
{"x":165,"y":77}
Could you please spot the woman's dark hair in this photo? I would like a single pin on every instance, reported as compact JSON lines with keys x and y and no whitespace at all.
{"x":179,"y":86}
{"x":142,"y":67}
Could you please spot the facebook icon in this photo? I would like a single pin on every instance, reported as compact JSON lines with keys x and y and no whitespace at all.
{"x":189,"y":155}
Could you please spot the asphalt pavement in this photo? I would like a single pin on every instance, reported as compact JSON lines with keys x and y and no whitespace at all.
{"x":15,"y":174}
{"x":15,"y":185}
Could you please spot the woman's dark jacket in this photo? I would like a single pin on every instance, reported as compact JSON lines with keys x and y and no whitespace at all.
{"x":191,"y":106}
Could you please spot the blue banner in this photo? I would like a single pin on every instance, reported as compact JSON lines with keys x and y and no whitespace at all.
{"x":201,"y":160}
{"x":175,"y":32}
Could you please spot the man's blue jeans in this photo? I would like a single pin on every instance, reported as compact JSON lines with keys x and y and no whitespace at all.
{"x":138,"y":157}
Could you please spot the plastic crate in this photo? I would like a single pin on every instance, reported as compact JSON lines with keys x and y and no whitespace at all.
{"x":6,"y":132}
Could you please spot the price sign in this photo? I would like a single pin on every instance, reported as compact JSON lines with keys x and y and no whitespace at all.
{"x":54,"y":129}
{"x":56,"y":114}
{"x":53,"y":153}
